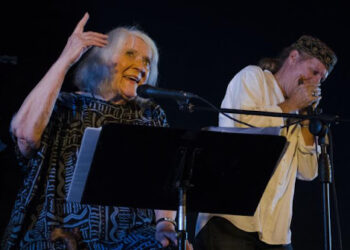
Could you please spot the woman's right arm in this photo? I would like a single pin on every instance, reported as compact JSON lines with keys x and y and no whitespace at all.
{"x":33,"y":116}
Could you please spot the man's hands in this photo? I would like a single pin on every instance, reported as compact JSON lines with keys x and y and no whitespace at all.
{"x":301,"y":97}
{"x":79,"y":42}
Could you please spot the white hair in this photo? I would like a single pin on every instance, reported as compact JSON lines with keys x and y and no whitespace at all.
{"x":95,"y":71}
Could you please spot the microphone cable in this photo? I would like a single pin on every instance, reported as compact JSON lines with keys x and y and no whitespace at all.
{"x":336,"y":207}
{"x":185,"y":96}
{"x":292,"y":123}
{"x":223,"y":113}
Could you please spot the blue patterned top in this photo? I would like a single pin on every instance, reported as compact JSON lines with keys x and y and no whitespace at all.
{"x":41,"y":203}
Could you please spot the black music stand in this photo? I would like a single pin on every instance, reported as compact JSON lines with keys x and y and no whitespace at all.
{"x":171,"y":169}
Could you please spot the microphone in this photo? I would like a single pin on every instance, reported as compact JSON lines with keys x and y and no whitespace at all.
{"x":309,"y":109}
{"x":314,"y":125}
{"x":148,"y":91}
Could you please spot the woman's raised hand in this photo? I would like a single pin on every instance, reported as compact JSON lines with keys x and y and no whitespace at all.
{"x":80,"y":41}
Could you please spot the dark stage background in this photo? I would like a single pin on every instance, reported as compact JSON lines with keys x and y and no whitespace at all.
{"x":202,"y":46}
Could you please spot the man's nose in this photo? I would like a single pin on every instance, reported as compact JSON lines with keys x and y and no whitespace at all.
{"x":317,"y":79}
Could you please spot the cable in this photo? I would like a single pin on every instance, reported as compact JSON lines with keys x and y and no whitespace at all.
{"x":292,"y":123}
{"x":337,"y":217}
{"x":213,"y":106}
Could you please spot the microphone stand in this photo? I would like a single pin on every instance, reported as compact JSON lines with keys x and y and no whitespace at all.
{"x":320,"y":129}
{"x":182,"y":184}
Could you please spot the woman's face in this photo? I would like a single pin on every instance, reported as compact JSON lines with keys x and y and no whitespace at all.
{"x":133,"y":62}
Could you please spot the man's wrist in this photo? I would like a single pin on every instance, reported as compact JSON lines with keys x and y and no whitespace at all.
{"x":286,"y":106}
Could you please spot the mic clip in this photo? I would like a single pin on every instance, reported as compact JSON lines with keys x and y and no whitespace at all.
{"x":185,"y":105}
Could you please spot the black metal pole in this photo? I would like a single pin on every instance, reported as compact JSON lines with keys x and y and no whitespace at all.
{"x":320,"y":129}
{"x":326,"y":176}
{"x":182,"y":184}
{"x":321,"y":117}
{"x":182,"y":233}
{"x":327,"y":217}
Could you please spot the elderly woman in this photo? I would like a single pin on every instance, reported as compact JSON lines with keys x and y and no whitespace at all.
{"x":48,"y":129}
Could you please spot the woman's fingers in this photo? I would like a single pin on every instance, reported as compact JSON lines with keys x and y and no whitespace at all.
{"x":80,"y":26}
{"x":95,"y":34}
{"x":79,"y":42}
{"x":95,"y":39}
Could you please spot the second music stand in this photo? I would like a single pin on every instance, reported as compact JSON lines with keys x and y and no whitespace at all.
{"x":172,"y":169}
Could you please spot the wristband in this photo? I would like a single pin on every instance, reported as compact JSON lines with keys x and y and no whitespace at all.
{"x":166,"y":219}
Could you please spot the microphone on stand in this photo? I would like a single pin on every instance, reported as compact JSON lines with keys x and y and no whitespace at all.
{"x":315,"y":125}
{"x":148,"y":91}
{"x":310,"y":110}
